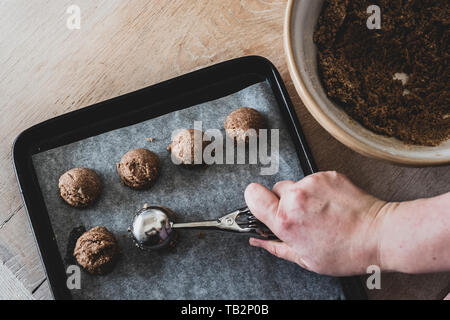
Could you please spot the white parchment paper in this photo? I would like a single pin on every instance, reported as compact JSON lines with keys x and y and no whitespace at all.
{"x":214,"y":266}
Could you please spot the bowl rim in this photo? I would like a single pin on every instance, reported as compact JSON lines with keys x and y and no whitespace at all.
{"x":326,"y":122}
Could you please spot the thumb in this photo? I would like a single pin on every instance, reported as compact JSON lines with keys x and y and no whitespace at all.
{"x":262,"y":203}
{"x":278,"y":249}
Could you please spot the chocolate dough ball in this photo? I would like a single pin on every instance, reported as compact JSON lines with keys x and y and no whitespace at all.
{"x":240,"y":121}
{"x":80,"y":187}
{"x":183,"y":148}
{"x":139,"y":168}
{"x":97,"y":250}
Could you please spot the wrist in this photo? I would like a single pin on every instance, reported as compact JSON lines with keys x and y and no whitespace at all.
{"x":383,"y":246}
{"x":372,"y":234}
{"x":414,"y":237}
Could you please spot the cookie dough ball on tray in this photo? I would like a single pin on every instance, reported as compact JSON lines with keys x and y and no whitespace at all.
{"x":184,"y":149}
{"x":139,"y":168}
{"x":240,"y":121}
{"x":80,"y":187}
{"x":97,"y":251}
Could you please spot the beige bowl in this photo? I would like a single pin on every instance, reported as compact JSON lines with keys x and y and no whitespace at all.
{"x":300,"y":21}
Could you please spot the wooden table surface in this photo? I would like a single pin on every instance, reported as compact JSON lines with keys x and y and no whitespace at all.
{"x":47,"y":70}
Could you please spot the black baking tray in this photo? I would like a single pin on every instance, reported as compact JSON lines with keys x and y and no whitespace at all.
{"x":184,"y":91}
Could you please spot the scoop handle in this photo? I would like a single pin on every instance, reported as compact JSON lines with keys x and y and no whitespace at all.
{"x":240,"y":221}
{"x":198,"y":225}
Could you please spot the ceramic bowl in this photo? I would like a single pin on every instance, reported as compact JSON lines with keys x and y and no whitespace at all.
{"x":300,"y":21}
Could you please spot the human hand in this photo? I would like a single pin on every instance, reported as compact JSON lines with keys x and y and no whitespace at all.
{"x":326,"y":224}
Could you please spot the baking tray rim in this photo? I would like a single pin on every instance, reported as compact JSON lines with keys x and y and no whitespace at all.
{"x":24,"y":147}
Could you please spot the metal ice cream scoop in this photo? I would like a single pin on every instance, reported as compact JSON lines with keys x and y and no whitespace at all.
{"x":153,"y":226}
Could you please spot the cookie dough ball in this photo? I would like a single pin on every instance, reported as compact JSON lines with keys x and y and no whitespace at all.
{"x":240,"y":121}
{"x":80,"y":187}
{"x":139,"y":168}
{"x":97,"y":250}
{"x":184,"y":150}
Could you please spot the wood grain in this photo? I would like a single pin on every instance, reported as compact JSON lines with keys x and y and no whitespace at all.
{"x":11,"y":288}
{"x":122,"y":46}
